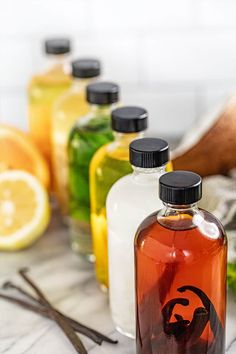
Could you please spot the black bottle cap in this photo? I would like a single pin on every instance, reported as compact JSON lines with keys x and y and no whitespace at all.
{"x":103,"y":93}
{"x":86,"y":68}
{"x":129,"y":119}
{"x":149,"y":152}
{"x":180,"y":187}
{"x":57,"y":46}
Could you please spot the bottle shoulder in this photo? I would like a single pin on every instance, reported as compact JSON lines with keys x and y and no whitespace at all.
{"x":81,"y":124}
{"x":118,"y":151}
{"x":202,"y":220}
{"x":70,"y":96}
{"x":50,"y":78}
{"x":182,"y":237}
{"x":74,"y":133}
{"x":99,"y":157}
{"x":92,"y":123}
{"x":121,"y":185}
{"x":127,"y":190}
{"x":141,"y":182}
{"x":128,"y":204}
{"x":111,"y":153}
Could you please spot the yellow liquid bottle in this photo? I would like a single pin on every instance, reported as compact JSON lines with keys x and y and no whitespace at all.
{"x":43,"y":90}
{"x":67,"y":110}
{"x":110,"y":163}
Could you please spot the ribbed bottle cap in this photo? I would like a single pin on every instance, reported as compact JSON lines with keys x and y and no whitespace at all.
{"x":129,"y":119}
{"x":149,"y":152}
{"x":86,"y":68}
{"x":103,"y":93}
{"x":180,"y":187}
{"x":57,"y":46}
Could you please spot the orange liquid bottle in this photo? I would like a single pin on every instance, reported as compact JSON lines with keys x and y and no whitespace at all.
{"x":181,"y":254}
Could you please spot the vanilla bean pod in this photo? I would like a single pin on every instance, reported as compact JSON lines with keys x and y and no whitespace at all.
{"x":149,"y":308}
{"x":218,"y":344}
{"x":178,"y":317}
{"x":62,"y":323}
{"x":170,"y":305}
{"x":215,"y":323}
{"x":43,"y":311}
{"x":194,"y":331}
{"x":184,"y":335}
{"x":40,"y":310}
{"x":97,"y":337}
{"x":176,"y":328}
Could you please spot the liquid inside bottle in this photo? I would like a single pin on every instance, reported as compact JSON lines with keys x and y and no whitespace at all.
{"x":180,"y":257}
{"x":129,"y":201}
{"x":110,"y":163}
{"x":68,"y":109}
{"x":43,"y":90}
{"x":88,"y":135}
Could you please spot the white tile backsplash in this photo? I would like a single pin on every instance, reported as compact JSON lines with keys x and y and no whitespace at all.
{"x":177,"y":58}
{"x":170,"y":111}
{"x":218,"y":13}
{"x":140,"y":15}
{"x":191,"y":56}
{"x":118,"y":53}
{"x":32,"y":18}
{"x":16,"y":64}
{"x":214,"y":94}
{"x":13,"y":109}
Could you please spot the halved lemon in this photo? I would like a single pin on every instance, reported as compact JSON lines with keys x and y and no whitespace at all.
{"x":24,"y":210}
{"x":18,"y":152}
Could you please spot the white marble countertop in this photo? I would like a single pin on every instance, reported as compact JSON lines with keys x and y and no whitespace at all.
{"x":70,"y":285}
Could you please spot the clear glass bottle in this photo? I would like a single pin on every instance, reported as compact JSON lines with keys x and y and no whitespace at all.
{"x":129,"y":201}
{"x":69,"y":107}
{"x":88,"y":135}
{"x":110,"y":163}
{"x":180,"y":256}
{"x":44,"y":88}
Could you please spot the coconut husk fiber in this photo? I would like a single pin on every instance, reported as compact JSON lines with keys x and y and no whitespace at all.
{"x":209,"y":148}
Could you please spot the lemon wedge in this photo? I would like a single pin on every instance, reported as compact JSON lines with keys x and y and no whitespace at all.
{"x":24,"y":210}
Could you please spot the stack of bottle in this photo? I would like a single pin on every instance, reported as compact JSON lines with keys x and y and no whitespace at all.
{"x":107,"y":178}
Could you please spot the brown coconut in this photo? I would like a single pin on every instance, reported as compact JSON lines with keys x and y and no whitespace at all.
{"x":210,"y":147}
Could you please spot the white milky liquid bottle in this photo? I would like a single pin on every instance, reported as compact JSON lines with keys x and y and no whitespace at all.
{"x":130,"y":200}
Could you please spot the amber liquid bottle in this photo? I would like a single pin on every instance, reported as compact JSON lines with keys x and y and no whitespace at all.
{"x":180,"y":258}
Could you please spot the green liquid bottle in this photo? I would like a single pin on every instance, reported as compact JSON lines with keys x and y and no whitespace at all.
{"x":89,"y":134}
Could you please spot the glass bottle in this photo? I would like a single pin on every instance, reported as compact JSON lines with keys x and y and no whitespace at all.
{"x":88,"y":134}
{"x":129,"y":201}
{"x":180,"y":256}
{"x":43,"y":90}
{"x":67,"y":109}
{"x":110,"y":163}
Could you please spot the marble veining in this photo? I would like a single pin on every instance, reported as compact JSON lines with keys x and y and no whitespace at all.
{"x":70,"y":285}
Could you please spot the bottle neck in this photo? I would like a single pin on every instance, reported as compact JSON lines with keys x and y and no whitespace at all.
{"x":57,"y":62}
{"x":179,"y":217}
{"x":103,"y":109}
{"x":124,"y":139}
{"x":148,"y":175}
{"x":146,"y":171}
{"x":180,"y":208}
{"x":82,"y":83}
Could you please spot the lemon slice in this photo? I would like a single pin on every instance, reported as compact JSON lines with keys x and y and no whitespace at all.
{"x":24,"y":210}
